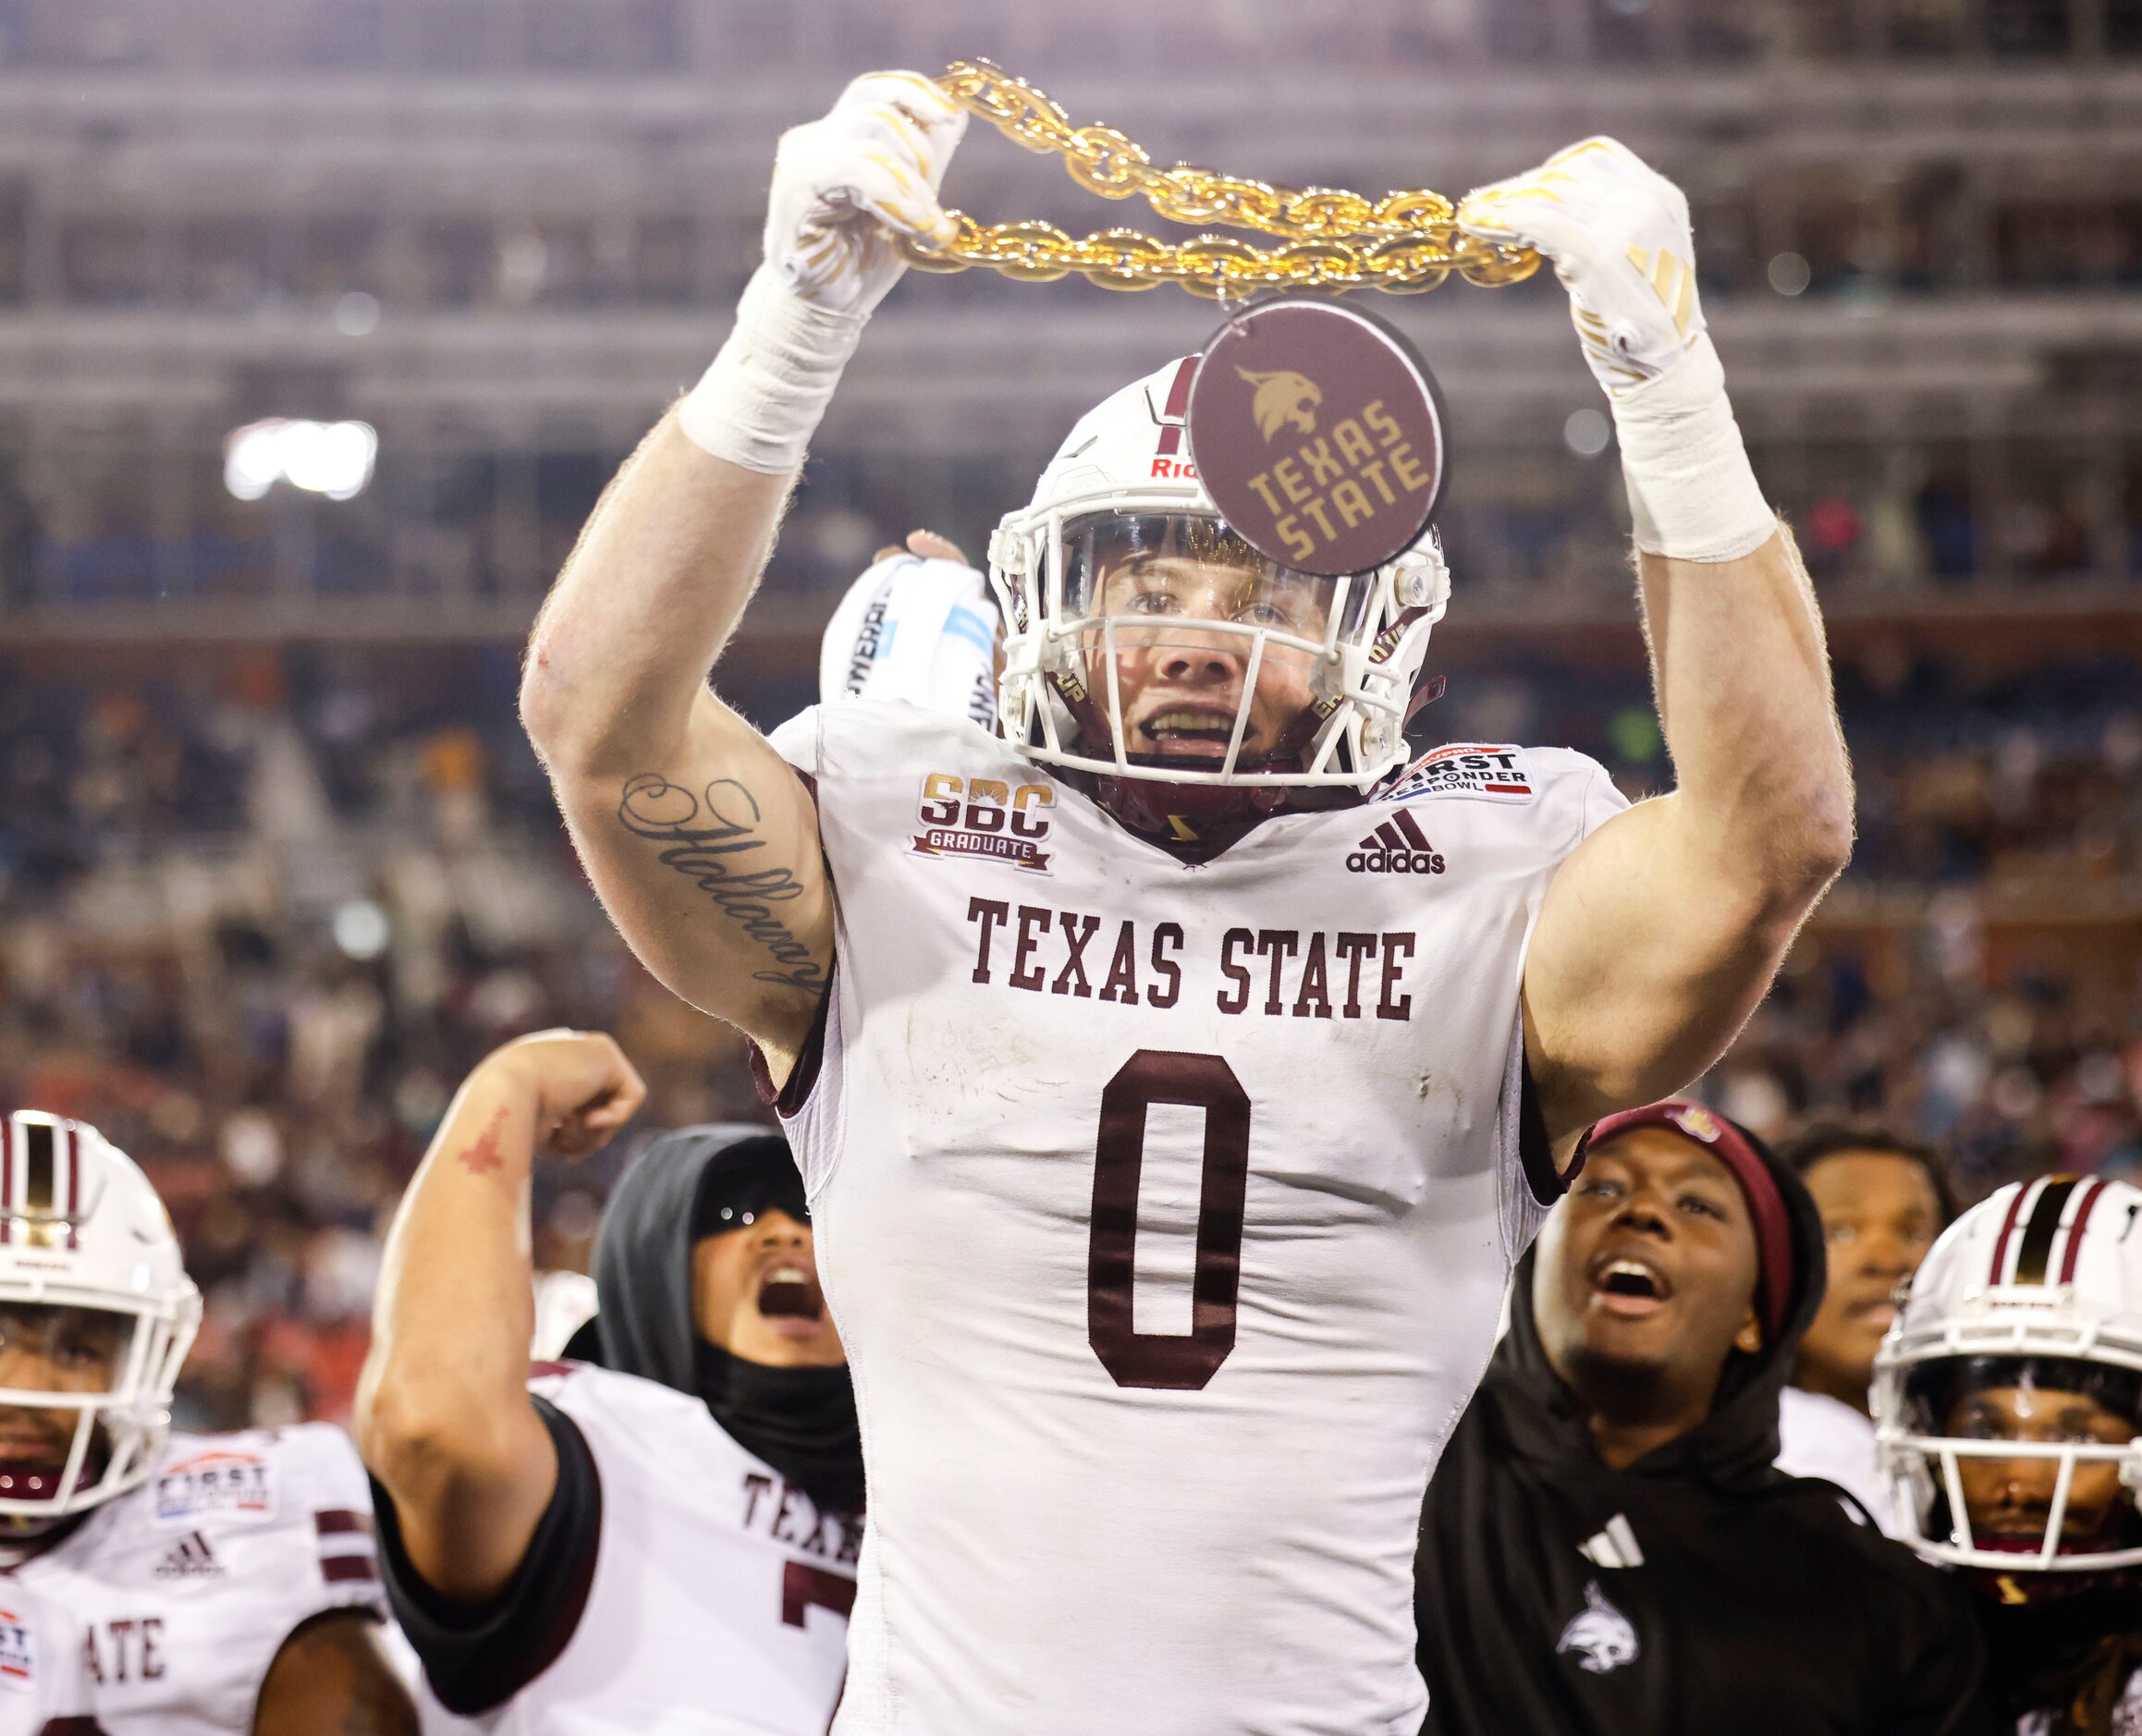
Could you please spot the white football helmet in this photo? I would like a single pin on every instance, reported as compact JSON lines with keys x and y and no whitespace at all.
{"x":94,"y":1298}
{"x":918,"y":630}
{"x":1123,"y":490}
{"x":2035,"y":1290}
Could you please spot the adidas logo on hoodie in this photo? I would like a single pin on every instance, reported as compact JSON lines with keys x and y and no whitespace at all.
{"x":1396,"y":847}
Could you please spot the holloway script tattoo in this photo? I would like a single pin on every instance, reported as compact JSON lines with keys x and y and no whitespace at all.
{"x":709,"y":847}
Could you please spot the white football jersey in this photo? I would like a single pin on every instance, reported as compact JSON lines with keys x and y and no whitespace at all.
{"x":1821,"y":1436}
{"x":178,"y":1593}
{"x":44,"y":1689}
{"x":1167,"y":1212}
{"x":718,"y":1603}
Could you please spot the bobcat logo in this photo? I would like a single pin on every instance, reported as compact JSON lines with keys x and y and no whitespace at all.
{"x":1602,"y":1633}
{"x":1283,"y":396}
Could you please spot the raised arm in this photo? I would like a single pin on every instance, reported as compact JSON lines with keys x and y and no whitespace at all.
{"x":444,"y":1419}
{"x":1663,"y":930}
{"x":700,"y":840}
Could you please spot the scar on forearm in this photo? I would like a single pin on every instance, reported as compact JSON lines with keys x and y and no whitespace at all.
{"x":710,"y":849}
{"x":485,"y":1155}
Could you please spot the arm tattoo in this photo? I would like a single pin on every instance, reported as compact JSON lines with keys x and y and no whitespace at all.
{"x":484,"y":1155}
{"x":711,"y":851}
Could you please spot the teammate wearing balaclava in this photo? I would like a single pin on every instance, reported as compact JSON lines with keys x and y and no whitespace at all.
{"x":665,"y":1541}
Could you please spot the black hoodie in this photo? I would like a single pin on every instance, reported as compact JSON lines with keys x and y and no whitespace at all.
{"x":1699,"y":1591}
{"x":801,"y":1421}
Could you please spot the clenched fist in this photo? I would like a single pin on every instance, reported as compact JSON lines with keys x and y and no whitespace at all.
{"x":581,"y":1086}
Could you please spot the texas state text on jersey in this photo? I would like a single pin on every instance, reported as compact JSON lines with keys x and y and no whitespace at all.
{"x":178,"y":1595}
{"x":1166,"y":1211}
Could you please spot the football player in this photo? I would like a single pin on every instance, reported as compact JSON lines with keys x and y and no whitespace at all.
{"x":2008,"y":1411}
{"x":665,"y":1542}
{"x":206,"y":1584}
{"x":1175,"y":1078}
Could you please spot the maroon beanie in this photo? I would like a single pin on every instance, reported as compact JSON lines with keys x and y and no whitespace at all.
{"x":1758,"y":1186}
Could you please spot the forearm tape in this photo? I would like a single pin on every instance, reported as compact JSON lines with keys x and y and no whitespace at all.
{"x":761,"y":401}
{"x":1692,"y":494}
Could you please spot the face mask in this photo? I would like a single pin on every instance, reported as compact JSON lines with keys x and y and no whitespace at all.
{"x":801,"y":1421}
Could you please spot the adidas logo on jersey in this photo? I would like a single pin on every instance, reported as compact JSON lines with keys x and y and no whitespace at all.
{"x":190,"y":1558}
{"x":1396,"y":847}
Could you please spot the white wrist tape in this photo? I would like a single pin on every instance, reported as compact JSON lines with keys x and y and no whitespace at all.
{"x":1692,"y":494}
{"x":761,"y":401}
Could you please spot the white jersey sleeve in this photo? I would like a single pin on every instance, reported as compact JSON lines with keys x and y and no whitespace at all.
{"x":1166,"y":1208}
{"x":45,"y":1689}
{"x":1819,"y":1436}
{"x":183,"y":1590}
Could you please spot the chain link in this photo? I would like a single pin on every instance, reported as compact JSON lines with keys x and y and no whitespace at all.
{"x":1404,"y":243}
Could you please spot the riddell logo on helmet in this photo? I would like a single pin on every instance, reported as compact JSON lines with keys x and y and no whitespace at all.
{"x":1396,"y":847}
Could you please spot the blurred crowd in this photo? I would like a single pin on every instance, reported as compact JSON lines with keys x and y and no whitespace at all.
{"x":257,"y":928}
{"x":257,"y":935}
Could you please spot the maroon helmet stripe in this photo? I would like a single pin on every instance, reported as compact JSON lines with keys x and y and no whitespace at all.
{"x":6,"y":1179}
{"x":1170,"y":439}
{"x":37,"y":1166}
{"x":73,"y":1205}
{"x":339,"y":1568}
{"x":2007,"y":1229}
{"x":1411,"y":828}
{"x":1179,"y":389}
{"x":2074,"y":1248}
{"x":2045,"y":1222}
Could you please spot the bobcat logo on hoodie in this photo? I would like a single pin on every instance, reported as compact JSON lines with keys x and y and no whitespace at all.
{"x":1602,"y":1633}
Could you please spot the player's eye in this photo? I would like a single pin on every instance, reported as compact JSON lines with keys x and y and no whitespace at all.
{"x":1696,"y":1205}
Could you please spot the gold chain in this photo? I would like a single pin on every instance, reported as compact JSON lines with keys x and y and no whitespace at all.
{"x":1404,"y":243}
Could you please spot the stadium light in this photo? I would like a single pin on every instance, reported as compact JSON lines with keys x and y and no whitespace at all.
{"x":332,"y":458}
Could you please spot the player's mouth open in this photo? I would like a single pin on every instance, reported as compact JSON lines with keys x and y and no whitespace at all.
{"x":1630,"y":1286}
{"x":789,"y":1291}
{"x":1191,"y":731}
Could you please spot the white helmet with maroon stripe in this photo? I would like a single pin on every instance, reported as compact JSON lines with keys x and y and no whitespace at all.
{"x":1340,"y":658}
{"x":2007,"y":1398}
{"x":96,"y":1315}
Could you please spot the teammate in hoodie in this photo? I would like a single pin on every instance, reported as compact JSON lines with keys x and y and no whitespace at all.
{"x":2008,"y":1406}
{"x":1606,"y":1546}
{"x":664,"y":1542}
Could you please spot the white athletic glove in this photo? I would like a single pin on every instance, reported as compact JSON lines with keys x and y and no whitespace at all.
{"x":1619,"y":236}
{"x":842,"y":188}
{"x":917,"y":627}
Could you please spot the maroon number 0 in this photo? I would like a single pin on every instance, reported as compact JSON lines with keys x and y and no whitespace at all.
{"x":1168,"y":1359}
